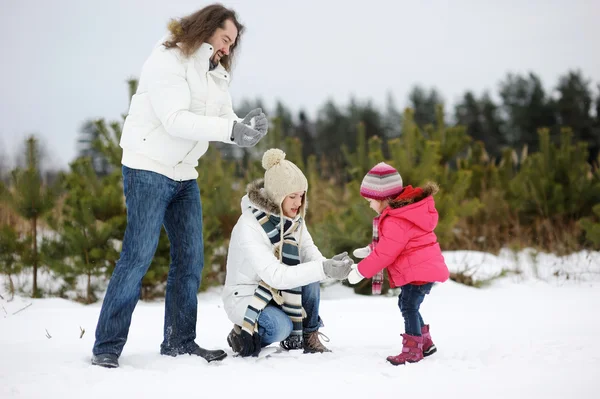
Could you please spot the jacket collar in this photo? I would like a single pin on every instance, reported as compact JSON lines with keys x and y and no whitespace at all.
{"x":202,"y":59}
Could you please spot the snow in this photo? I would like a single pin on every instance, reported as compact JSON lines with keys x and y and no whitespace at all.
{"x":532,"y":334}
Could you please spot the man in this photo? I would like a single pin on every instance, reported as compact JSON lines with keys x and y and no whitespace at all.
{"x":181,"y":104}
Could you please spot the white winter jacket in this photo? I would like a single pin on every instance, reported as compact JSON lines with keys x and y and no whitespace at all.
{"x":250,"y":259}
{"x":179,"y":107}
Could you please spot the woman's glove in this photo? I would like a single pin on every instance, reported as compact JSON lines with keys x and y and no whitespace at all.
{"x":338,"y":269}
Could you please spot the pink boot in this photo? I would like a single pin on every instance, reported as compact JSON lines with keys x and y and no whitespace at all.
{"x":412,"y":350}
{"x":428,"y":345}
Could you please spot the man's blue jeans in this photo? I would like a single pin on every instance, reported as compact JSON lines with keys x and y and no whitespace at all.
{"x":409,"y":301}
{"x":275,"y":326}
{"x":152,"y":201}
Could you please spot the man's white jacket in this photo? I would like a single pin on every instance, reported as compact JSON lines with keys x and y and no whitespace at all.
{"x":179,"y":107}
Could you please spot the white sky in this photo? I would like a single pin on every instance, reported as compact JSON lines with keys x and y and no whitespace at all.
{"x":64,"y":61}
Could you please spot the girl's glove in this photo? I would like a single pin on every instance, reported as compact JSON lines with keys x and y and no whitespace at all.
{"x":355,"y":277}
{"x":362,"y":253}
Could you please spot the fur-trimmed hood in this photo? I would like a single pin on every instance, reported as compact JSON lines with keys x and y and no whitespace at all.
{"x":411,"y":195}
{"x":258,"y":198}
{"x":415,"y":205}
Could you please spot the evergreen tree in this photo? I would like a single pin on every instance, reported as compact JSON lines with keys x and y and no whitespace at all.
{"x":424,"y":105}
{"x":93,"y":219}
{"x":528,"y":108}
{"x":574,"y":108}
{"x":482,"y":121}
{"x":32,"y":200}
{"x":12,"y":246}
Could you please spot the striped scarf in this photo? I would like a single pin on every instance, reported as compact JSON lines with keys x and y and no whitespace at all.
{"x":290,"y":300}
{"x":377,"y":280}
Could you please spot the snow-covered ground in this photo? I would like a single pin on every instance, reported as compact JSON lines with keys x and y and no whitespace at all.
{"x":528,"y":335}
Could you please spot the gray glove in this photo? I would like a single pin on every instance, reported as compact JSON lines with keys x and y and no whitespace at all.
{"x":243,"y":134}
{"x":340,"y":256}
{"x":337,"y":269}
{"x":257,"y":120}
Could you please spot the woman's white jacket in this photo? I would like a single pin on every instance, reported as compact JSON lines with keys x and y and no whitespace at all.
{"x":251,"y":259}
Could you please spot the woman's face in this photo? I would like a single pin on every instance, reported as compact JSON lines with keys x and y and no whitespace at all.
{"x":292,"y":203}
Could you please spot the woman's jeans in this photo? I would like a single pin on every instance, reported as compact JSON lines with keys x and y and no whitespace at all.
{"x":275,"y":326}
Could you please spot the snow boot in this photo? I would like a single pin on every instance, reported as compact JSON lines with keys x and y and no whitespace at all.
{"x":428,"y":345}
{"x":234,"y":339}
{"x":412,"y":351}
{"x":108,"y":360}
{"x":312,"y":343}
{"x":209,"y":355}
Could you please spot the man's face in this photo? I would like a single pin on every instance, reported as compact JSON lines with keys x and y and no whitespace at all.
{"x":222,"y":40}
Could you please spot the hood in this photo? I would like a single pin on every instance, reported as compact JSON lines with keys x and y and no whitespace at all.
{"x":416,"y":205}
{"x":257,"y":197}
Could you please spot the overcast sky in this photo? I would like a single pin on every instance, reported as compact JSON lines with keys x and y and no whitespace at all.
{"x":64,"y":61}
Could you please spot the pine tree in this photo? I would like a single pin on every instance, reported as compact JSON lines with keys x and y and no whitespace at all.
{"x":221,"y":194}
{"x":93,"y":217}
{"x":358,"y":163}
{"x":11,"y":248}
{"x":554,"y":188}
{"x":32,"y":200}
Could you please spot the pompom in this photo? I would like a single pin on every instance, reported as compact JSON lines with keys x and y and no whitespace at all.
{"x":272,"y":157}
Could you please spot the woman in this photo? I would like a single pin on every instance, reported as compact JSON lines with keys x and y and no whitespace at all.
{"x":272,"y":287}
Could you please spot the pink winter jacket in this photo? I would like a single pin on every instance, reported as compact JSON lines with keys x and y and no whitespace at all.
{"x":407,"y":245}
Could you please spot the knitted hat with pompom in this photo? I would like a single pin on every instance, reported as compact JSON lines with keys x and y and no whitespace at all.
{"x":282,"y":177}
{"x":381,"y":183}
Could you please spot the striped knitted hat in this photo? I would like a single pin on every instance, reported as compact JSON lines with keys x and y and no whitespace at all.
{"x":381,"y":183}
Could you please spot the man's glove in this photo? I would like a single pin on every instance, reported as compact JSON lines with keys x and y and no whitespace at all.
{"x":257,"y":120}
{"x":244,"y":136}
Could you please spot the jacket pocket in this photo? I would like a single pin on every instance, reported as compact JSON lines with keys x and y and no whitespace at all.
{"x":164,"y":148}
{"x":244,"y":290}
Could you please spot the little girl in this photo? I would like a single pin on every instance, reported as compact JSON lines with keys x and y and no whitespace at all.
{"x":405,"y":244}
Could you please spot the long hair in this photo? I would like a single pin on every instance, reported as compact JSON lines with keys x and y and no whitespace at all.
{"x":191,"y":31}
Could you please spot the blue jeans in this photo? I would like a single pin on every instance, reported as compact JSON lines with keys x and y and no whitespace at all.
{"x":275,"y":326}
{"x":153,"y":200}
{"x":409,"y":301}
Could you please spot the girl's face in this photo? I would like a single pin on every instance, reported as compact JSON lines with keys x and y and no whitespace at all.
{"x":377,"y":206}
{"x":292,"y":203}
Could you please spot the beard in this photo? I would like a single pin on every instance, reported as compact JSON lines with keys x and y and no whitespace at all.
{"x":213,"y":62}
